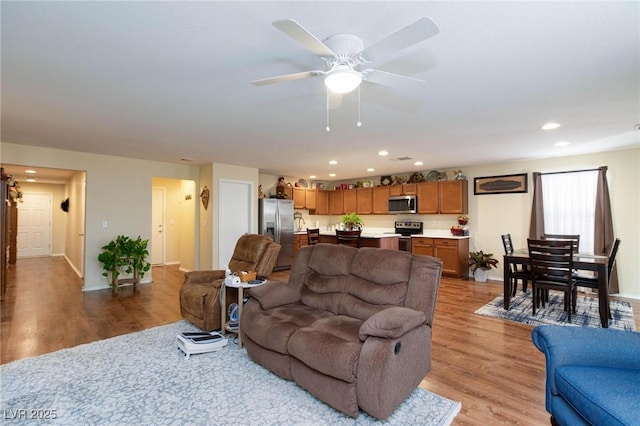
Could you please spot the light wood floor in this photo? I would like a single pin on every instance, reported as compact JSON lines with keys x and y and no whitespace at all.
{"x":489,"y":365}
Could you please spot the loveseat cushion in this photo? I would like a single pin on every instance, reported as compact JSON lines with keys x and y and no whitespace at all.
{"x":330,"y":345}
{"x":272,"y":328}
{"x":602,"y":395}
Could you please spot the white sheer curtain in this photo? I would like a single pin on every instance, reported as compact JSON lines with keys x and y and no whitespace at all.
{"x":569,"y":205}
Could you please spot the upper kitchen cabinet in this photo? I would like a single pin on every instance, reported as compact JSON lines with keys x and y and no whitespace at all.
{"x":364,"y":201}
{"x":428,"y":198}
{"x":380,"y":200}
{"x":322,"y":202}
{"x":350,"y":198}
{"x":404,"y":189}
{"x":453,"y":196}
{"x":304,"y":198}
{"x":336,"y":202}
{"x":444,"y":197}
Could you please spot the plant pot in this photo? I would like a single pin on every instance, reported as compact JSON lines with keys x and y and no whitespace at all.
{"x":480,"y":275}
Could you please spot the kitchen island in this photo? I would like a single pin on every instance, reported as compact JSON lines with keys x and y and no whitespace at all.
{"x":378,"y":240}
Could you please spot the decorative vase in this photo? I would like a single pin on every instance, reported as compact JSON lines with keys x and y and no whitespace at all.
{"x":480,"y":275}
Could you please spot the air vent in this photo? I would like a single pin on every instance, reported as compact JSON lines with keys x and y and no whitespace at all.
{"x":401,"y":159}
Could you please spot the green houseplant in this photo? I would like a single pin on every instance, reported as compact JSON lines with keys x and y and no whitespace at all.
{"x":352,"y":221}
{"x":124,"y":255}
{"x":480,"y":262}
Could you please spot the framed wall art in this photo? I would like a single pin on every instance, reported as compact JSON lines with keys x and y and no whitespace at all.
{"x":504,"y":184}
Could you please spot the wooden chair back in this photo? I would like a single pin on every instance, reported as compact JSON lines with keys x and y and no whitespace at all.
{"x":350,"y":238}
{"x":562,"y":237}
{"x":313,"y":235}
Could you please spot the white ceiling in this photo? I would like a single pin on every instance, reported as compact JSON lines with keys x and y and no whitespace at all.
{"x":171,"y":80}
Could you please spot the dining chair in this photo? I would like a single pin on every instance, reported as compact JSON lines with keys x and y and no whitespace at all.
{"x":350,"y":238}
{"x":313,"y":235}
{"x":518,"y":272}
{"x":592,"y":282}
{"x":573,"y":237}
{"x":552,"y":267}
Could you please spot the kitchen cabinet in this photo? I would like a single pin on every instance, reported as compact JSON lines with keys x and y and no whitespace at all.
{"x":364,"y":200}
{"x":336,"y":202}
{"x":444,"y":197}
{"x":404,"y":189}
{"x":304,"y":198}
{"x":380,"y":203}
{"x":322,"y":202}
{"x":389,"y":242}
{"x":453,"y":252}
{"x":453,"y":197}
{"x":299,"y":240}
{"x":350,"y":201}
{"x":428,"y":198}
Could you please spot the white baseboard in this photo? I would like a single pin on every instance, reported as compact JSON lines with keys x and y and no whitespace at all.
{"x":627,"y":296}
{"x":76,"y":270}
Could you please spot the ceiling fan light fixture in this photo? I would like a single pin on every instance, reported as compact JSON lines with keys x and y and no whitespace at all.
{"x":343,"y":79}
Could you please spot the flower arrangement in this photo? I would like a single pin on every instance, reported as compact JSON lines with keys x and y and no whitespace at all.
{"x":463,"y":219}
{"x":482,"y":260}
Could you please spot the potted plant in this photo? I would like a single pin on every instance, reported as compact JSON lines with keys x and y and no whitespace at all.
{"x":124,"y":255}
{"x":352,"y":222}
{"x":479,"y":263}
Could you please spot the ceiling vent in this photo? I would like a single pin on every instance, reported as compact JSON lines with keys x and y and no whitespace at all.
{"x":401,"y":159}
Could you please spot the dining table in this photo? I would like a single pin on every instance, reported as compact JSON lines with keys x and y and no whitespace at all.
{"x":581,"y":261}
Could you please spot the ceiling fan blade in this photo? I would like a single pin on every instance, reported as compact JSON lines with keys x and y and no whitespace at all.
{"x":389,"y":79}
{"x":304,"y":37}
{"x":287,"y":77}
{"x":420,"y":30}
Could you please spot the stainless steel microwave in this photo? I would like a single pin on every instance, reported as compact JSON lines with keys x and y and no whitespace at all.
{"x":403,"y":204}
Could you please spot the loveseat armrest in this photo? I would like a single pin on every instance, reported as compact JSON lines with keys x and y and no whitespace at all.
{"x":391,"y":323}
{"x":275,"y":293}
{"x":601,"y":347}
{"x":201,"y":277}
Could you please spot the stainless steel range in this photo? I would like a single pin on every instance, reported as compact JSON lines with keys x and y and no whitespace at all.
{"x":406,"y":229}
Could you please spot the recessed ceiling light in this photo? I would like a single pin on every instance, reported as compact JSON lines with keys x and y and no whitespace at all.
{"x":332,"y":175}
{"x":418,"y":163}
{"x":370,"y":169}
{"x":333,"y":162}
{"x":562,"y":143}
{"x":30,"y":172}
{"x":550,"y":126}
{"x":31,"y":180}
{"x":312,"y":177}
{"x":382,"y":153}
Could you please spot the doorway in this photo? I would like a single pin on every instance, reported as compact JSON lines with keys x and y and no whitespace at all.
{"x":34,"y":225}
{"x":235,"y":201}
{"x":157,"y":226}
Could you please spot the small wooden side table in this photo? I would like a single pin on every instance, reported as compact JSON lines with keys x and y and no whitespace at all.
{"x":223,"y":308}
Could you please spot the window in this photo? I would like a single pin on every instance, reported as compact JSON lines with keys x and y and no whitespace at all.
{"x":569,"y":201}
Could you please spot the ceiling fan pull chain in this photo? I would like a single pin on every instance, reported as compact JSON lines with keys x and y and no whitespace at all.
{"x":328,"y":128}
{"x":359,"y":123}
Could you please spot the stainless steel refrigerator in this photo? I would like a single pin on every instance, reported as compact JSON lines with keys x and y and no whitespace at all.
{"x":275,"y":218}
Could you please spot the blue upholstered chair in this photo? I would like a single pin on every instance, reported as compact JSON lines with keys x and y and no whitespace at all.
{"x":593,"y":375}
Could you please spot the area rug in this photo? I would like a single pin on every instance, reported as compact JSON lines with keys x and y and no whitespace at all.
{"x":142,"y":379}
{"x":587,"y":313}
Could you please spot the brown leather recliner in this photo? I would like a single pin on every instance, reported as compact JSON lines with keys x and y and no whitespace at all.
{"x":200,"y":293}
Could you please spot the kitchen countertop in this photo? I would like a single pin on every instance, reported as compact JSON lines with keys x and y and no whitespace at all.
{"x":386,"y":233}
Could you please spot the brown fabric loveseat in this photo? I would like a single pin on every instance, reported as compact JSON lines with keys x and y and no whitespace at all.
{"x":352,"y":326}
{"x":200,"y":293}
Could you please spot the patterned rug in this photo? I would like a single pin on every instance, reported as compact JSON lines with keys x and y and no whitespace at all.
{"x":142,"y":379}
{"x":587,"y":313}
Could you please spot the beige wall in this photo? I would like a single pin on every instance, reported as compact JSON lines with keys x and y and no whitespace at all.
{"x":118,"y":192}
{"x":75,"y":229}
{"x":206,"y":218}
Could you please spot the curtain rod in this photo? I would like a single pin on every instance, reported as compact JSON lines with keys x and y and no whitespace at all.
{"x":572,"y":171}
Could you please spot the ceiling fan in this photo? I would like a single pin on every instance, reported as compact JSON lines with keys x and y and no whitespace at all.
{"x":345,"y":55}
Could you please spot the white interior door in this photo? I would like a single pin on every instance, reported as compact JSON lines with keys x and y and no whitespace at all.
{"x":34,"y":225}
{"x":157,"y":227}
{"x":235,"y":216}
